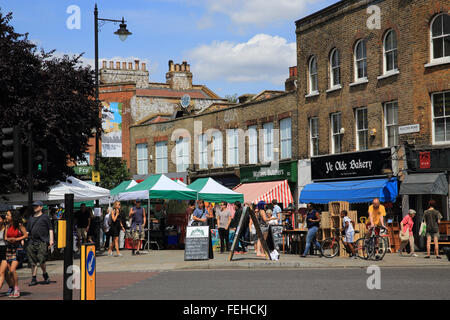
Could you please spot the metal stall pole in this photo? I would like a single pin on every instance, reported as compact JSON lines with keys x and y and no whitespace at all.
{"x":68,"y":250}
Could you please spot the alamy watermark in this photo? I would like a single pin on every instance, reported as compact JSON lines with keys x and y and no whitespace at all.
{"x":374,"y":280}
{"x":74,"y":20}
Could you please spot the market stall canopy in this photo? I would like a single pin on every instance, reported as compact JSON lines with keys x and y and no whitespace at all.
{"x":123,"y":186}
{"x":158,"y":186}
{"x":81,"y":190}
{"x":424,"y":183}
{"x":210,"y":190}
{"x":357,"y":191}
{"x":266,"y":191}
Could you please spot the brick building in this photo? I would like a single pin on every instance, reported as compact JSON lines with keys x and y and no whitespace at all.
{"x":126,"y":85}
{"x":374,"y":75}
{"x":222,"y":143}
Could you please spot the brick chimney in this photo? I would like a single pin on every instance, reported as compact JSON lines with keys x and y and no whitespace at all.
{"x":124,"y":72}
{"x":179,"y":77}
{"x":290,"y":84}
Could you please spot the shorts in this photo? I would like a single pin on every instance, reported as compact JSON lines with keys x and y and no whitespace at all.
{"x":2,"y":253}
{"x":37,"y":252}
{"x":349,"y":237}
{"x":136,"y":235}
{"x":82,"y":234}
{"x":432,"y":234}
{"x":11,"y":252}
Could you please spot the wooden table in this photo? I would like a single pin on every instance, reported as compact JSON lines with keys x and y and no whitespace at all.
{"x":293,"y":235}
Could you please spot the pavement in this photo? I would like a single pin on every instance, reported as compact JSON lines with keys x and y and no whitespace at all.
{"x":168,"y":260}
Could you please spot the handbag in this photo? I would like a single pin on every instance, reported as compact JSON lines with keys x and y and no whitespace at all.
{"x":404,"y":236}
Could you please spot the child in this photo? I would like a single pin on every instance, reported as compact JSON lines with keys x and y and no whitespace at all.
{"x":349,"y":233}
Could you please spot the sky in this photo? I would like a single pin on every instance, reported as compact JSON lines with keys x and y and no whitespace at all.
{"x":232,"y":46}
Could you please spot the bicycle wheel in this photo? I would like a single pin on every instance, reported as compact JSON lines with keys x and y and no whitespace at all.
{"x":330,"y":247}
{"x":360,"y":248}
{"x":381,"y":247}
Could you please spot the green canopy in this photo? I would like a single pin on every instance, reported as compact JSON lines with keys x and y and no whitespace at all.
{"x":210,"y":190}
{"x":122,"y":187}
{"x":158,"y":186}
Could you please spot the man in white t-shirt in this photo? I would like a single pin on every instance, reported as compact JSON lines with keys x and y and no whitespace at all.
{"x":347,"y":228}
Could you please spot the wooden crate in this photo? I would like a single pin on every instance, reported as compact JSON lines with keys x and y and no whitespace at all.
{"x":335,"y":222}
{"x":325,"y":233}
{"x":325,"y":222}
{"x":336,"y":207}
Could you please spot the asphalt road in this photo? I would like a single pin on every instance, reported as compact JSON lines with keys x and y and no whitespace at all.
{"x":304,"y":284}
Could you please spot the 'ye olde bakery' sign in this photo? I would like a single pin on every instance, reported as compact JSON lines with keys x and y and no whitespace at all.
{"x":348,"y":165}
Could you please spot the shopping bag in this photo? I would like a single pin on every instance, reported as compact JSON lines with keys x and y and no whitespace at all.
{"x":423,"y":228}
{"x":274,"y":255}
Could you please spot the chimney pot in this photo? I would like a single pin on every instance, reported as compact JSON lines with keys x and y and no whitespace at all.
{"x":111,"y":65}
{"x":177,"y":67}
{"x":144,"y":66}
{"x":118,"y":65}
{"x":188,"y":68}
{"x":130,"y":65}
{"x":136,"y":64}
{"x":104,"y":64}
{"x":124,"y":65}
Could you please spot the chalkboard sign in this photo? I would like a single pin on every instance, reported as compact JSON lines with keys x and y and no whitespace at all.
{"x":275,"y":237}
{"x":197,"y":246}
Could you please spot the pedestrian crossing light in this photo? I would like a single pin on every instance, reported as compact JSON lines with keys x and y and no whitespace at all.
{"x":40,"y":160}
{"x":11,"y":150}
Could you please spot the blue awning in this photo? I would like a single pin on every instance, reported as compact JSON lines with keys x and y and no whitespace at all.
{"x":357,"y":191}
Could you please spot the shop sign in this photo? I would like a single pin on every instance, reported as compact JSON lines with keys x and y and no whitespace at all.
{"x":425,"y":160}
{"x":282,"y":171}
{"x":349,"y":165}
{"x":82,"y":170}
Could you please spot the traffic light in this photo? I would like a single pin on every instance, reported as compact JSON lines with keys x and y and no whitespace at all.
{"x":40,"y":160}
{"x":11,"y":148}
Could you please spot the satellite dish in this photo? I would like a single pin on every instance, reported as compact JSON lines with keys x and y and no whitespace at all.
{"x":185,"y":101}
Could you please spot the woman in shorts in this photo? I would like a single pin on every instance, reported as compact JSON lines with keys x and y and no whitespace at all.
{"x":15,"y":232}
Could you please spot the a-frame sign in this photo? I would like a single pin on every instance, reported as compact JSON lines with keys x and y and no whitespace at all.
{"x":246,"y":211}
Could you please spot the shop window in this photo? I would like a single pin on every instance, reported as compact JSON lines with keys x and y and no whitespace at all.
{"x":161,"y":157}
{"x":391,"y":124}
{"x":142,"y":158}
{"x":362,"y":131}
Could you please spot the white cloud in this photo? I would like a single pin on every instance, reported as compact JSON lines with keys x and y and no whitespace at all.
{"x":260,"y":12}
{"x":262,"y":58}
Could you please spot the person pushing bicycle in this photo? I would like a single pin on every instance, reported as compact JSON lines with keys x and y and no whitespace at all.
{"x":376,"y":213}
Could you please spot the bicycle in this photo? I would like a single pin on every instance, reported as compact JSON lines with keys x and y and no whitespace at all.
{"x":331,"y":246}
{"x":373,"y":246}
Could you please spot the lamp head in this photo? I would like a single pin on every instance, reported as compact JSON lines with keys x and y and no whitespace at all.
{"x":122,"y":32}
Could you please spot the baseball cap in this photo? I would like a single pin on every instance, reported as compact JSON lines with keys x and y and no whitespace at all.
{"x":38,"y":203}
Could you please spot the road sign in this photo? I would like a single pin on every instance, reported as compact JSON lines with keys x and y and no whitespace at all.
{"x":88,"y":272}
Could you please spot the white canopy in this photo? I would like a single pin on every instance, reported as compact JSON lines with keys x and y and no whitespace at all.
{"x":82,"y":191}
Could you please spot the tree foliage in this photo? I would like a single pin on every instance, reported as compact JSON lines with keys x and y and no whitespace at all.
{"x":54,"y":95}
{"x":112,"y":172}
{"x":232,"y":98}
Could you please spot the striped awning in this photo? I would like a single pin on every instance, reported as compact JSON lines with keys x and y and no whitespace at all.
{"x":266,"y":191}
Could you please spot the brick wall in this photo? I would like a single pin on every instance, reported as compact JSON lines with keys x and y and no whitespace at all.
{"x":340,"y":26}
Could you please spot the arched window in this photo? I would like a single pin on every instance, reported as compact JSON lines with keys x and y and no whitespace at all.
{"x":390,"y":51}
{"x":440,"y":37}
{"x":313,"y":75}
{"x":335,"y":68}
{"x":360,"y":60}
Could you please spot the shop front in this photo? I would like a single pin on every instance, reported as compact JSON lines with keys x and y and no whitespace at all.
{"x":428,"y":178}
{"x":356,"y":178}
{"x":277,"y":181}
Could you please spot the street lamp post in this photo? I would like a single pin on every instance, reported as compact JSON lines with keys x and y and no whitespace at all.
{"x":123,"y":33}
